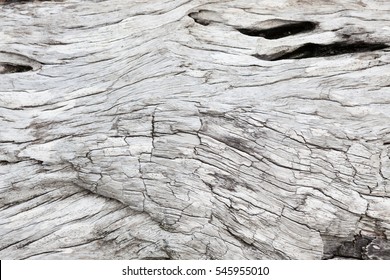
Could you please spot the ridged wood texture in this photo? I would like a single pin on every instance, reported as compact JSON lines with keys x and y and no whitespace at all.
{"x":194,"y":129}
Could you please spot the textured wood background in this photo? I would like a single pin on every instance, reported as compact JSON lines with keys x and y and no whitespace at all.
{"x":194,"y":129}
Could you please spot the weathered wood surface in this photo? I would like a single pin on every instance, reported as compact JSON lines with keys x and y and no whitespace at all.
{"x":194,"y":129}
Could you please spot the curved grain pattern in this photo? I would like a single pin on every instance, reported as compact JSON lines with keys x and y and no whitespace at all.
{"x":151,"y":129}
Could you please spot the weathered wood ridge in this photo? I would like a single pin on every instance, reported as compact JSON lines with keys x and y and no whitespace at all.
{"x":195,"y":129}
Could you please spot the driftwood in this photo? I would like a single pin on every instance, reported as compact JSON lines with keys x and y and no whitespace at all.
{"x":194,"y":129}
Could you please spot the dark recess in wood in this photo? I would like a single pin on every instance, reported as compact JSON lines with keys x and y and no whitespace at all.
{"x":6,"y":68}
{"x":316,"y":50}
{"x":280,"y":31}
{"x":195,"y":16}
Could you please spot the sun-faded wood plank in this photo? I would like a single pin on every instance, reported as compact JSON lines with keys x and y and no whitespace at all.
{"x":194,"y":129}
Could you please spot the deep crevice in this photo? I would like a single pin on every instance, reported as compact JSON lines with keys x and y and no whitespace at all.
{"x":280,"y":31}
{"x":198,"y":19}
{"x":316,"y":50}
{"x":17,"y":63}
{"x":14,"y":68}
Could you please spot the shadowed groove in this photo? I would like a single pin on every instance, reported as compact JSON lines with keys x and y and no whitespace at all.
{"x":280,"y":31}
{"x":6,"y":68}
{"x":317,"y":50}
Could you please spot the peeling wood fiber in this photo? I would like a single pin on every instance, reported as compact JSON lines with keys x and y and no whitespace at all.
{"x":194,"y":129}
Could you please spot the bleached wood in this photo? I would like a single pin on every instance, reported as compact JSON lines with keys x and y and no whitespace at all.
{"x":156,"y":129}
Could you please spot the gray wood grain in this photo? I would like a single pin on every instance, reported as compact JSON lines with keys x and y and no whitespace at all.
{"x":194,"y":129}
